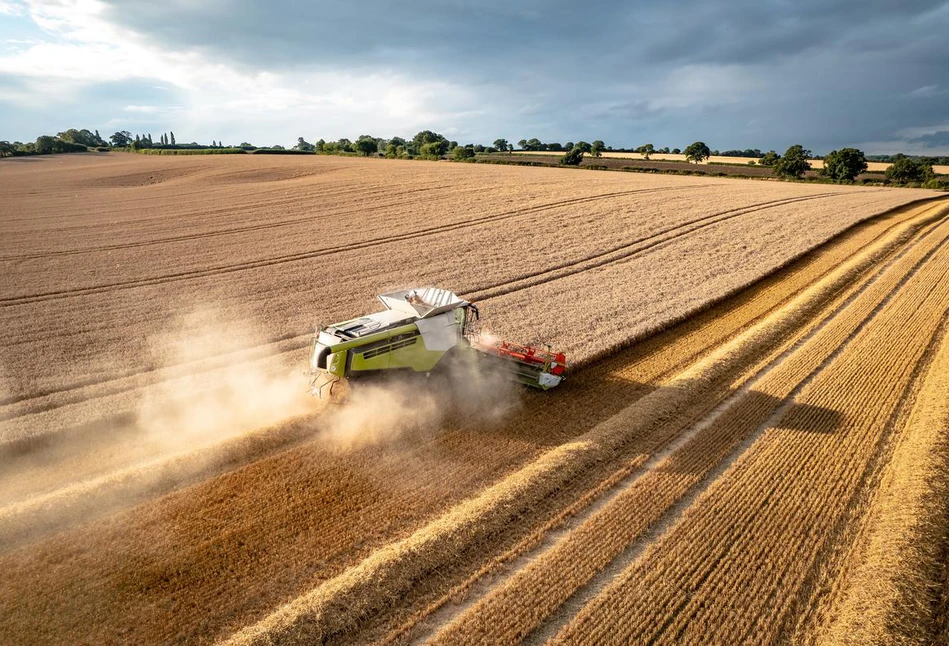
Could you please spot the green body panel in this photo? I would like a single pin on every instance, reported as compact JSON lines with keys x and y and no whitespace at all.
{"x":403,"y":353}
{"x":336,"y":363}
{"x":401,"y":347}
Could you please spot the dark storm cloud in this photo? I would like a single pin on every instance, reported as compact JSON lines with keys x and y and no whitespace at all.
{"x":750,"y":73}
{"x":938,"y":139}
{"x":832,"y":72}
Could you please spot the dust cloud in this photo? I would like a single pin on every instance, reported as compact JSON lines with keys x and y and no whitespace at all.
{"x":382,"y":410}
{"x":215,"y":401}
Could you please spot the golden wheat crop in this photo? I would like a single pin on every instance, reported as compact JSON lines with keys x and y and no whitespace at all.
{"x":164,"y":480}
{"x":775,"y":515}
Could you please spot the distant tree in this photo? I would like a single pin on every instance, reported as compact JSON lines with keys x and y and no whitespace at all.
{"x":7,"y":149}
{"x":522,"y":144}
{"x":99,"y":140}
{"x":171,"y":135}
{"x":83,"y":137}
{"x":597,"y":148}
{"x":501,"y":145}
{"x":794,"y":162}
{"x":45,"y":145}
{"x":121,"y":139}
{"x":434,"y":149}
{"x":556,"y":147}
{"x":747,"y":152}
{"x":303,"y":145}
{"x":770,"y":158}
{"x":697,"y":152}
{"x":572,"y":157}
{"x":569,"y":145}
{"x":903,"y":170}
{"x":277,"y":147}
{"x":319,"y":145}
{"x":345,"y":145}
{"x":844,"y":165}
{"x":366,"y":145}
{"x":676,"y":151}
{"x":646,"y":150}
{"x":138,"y":139}
{"x":392,"y":151}
{"x":583,"y":146}
{"x":150,"y":139}
{"x":461,"y":153}
{"x":397,"y":141}
{"x":535,"y":144}
{"x":664,"y":151}
{"x":425,"y":137}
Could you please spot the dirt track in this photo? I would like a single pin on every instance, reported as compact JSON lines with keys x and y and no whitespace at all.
{"x":282,"y":535}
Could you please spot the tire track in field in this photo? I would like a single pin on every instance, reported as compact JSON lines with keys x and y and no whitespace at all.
{"x":478,"y":293}
{"x":296,"y":199}
{"x":113,"y":479}
{"x":301,"y":339}
{"x":624,"y":251}
{"x":557,"y":538}
{"x":328,"y":251}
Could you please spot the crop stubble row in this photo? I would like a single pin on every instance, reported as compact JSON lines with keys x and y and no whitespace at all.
{"x":316,"y":614}
{"x":735,"y":565}
{"x":705,"y":332}
{"x":648,"y":377}
{"x":296,"y":522}
{"x":531,"y":595}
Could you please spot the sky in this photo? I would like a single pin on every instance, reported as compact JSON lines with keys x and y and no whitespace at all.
{"x":733,"y":73}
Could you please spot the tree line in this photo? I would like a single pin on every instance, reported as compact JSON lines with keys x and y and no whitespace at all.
{"x":68,"y":141}
{"x":845,"y":164}
{"x":842,"y":165}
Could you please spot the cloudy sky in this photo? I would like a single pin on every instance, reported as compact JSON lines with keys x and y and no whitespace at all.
{"x":733,"y":73}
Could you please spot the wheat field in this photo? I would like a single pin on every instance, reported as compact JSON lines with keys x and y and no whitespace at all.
{"x":750,"y":447}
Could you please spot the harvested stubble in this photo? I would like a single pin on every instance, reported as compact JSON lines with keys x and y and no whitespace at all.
{"x":203,"y":562}
{"x":892,"y":593}
{"x":524,"y":601}
{"x":650,"y":422}
{"x":757,"y":541}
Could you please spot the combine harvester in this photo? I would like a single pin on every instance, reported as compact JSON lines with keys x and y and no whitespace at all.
{"x":417,"y":332}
